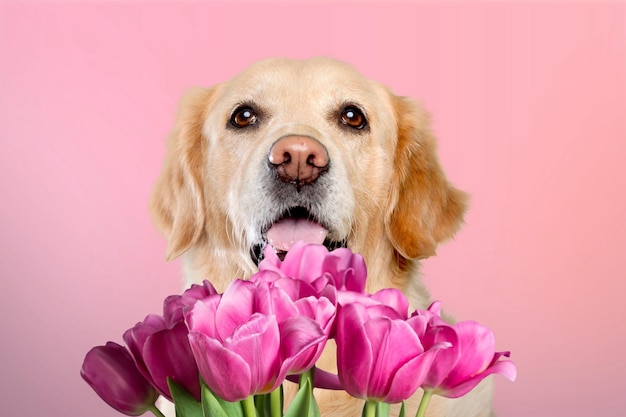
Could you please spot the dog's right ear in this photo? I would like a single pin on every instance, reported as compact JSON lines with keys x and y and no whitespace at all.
{"x":177,"y":202}
{"x":424,"y":209}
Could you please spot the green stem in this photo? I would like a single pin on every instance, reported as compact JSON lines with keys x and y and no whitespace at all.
{"x":156,"y":411}
{"x":249,"y":410}
{"x":421,"y":411}
{"x":275,"y":404}
{"x":306,"y":375}
{"x":370,"y":408}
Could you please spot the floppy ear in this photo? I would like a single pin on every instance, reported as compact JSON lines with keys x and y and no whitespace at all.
{"x":424,"y":208}
{"x":177,"y":202}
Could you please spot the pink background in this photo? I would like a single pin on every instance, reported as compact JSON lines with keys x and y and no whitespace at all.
{"x":529,"y":103}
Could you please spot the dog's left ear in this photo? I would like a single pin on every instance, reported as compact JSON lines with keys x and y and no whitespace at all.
{"x":424,"y":208}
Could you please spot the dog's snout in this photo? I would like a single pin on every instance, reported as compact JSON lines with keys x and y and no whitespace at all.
{"x":299,"y":159}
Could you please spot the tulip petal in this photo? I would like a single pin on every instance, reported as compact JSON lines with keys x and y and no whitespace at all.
{"x":167,"y":354}
{"x":347,"y":269}
{"x":412,"y":374}
{"x":394,"y":344}
{"x":476,"y":344}
{"x":395,"y":299}
{"x":270,"y":300}
{"x":304,"y":261}
{"x":505,"y":368}
{"x":354,"y":351}
{"x":224,"y":371}
{"x":236,"y":306}
{"x":419,"y":324}
{"x":174,"y":305}
{"x":270,"y":261}
{"x":135,"y":338}
{"x":257,"y":342}
{"x":302,"y":343}
{"x":446,"y":359}
{"x":201,"y":317}
{"x":111,"y":372}
{"x":319,"y":309}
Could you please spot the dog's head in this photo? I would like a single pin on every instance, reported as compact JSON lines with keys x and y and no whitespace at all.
{"x":303,"y":150}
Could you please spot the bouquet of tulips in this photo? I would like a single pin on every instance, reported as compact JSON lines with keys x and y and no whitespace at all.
{"x":228,"y":355}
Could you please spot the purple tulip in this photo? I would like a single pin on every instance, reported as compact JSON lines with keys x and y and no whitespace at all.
{"x":174,"y":305}
{"x":457,"y":370}
{"x":111,"y":372}
{"x":160,"y":345}
{"x":379,"y":355}
{"x":249,"y":339}
{"x":161,"y":352}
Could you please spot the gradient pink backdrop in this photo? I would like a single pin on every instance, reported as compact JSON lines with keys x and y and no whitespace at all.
{"x":529,"y":103}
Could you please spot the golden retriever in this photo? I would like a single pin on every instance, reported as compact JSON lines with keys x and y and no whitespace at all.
{"x":309,"y":150}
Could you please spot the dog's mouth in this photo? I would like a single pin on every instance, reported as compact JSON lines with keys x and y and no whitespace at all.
{"x":295,"y":224}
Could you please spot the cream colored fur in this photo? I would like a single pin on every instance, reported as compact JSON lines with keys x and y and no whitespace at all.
{"x":386,"y":193}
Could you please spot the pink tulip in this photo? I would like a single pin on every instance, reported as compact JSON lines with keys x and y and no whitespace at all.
{"x":457,"y":370}
{"x":249,"y":339}
{"x":390,"y":297}
{"x":316,"y":301}
{"x":297,"y":288}
{"x":323,"y":312}
{"x":111,"y":372}
{"x":160,"y":345}
{"x":310,"y":262}
{"x":379,"y":355}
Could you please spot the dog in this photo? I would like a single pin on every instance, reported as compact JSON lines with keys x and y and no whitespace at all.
{"x":309,"y":150}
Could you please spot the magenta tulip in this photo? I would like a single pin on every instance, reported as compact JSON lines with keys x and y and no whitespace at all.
{"x":309,"y":262}
{"x":174,"y":305}
{"x":457,"y":370}
{"x":379,"y":355}
{"x":160,"y":345}
{"x":161,"y":352}
{"x":317,"y":301}
{"x":111,"y":372}
{"x":249,"y":339}
{"x":390,"y":297}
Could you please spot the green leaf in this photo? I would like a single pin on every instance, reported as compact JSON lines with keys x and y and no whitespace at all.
{"x":186,"y":405}
{"x":402,"y":411}
{"x":314,"y":410}
{"x":213,"y":406}
{"x":382,"y":409}
{"x":303,"y":405}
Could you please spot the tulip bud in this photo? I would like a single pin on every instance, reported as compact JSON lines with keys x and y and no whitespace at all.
{"x":249,"y":339}
{"x":459,"y":369}
{"x":162,"y":353}
{"x":310,"y":263}
{"x":113,"y":375}
{"x":379,"y":355}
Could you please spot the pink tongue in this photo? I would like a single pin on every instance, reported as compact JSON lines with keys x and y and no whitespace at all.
{"x":284,"y":233}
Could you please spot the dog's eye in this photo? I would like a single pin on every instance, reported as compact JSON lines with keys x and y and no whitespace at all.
{"x":353,"y":117}
{"x":243,"y":117}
